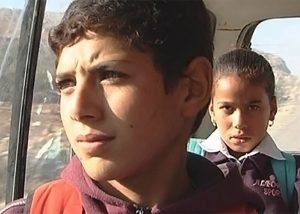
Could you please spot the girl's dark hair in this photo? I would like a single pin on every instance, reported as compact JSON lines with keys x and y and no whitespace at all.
{"x":247,"y":64}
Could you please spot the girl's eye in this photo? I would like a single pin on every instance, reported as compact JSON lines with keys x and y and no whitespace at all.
{"x":253,"y":107}
{"x":65,"y":84}
{"x":111,"y":75}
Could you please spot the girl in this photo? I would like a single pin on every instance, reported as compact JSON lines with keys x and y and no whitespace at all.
{"x":242,"y":107}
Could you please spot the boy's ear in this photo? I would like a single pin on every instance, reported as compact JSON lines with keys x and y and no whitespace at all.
{"x":199,"y":83}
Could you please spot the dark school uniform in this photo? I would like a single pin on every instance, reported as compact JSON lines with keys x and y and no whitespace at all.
{"x":256,"y":170}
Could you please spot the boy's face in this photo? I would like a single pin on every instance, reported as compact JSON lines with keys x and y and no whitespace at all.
{"x":114,"y":108}
{"x":241,"y":111}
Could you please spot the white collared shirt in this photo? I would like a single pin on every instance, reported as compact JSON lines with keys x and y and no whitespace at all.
{"x":267,"y":146}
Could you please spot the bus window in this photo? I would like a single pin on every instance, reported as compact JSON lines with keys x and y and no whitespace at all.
{"x":10,"y":20}
{"x":48,"y":149}
{"x":278,"y":41}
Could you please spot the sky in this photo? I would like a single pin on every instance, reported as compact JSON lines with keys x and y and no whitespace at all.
{"x":52,"y":5}
{"x":279,"y":37}
{"x":282,"y":38}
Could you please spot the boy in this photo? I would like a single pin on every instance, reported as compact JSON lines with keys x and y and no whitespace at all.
{"x":135,"y":81}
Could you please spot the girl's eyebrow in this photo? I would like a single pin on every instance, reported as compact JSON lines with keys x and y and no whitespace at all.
{"x":255,"y":101}
{"x":230,"y":103}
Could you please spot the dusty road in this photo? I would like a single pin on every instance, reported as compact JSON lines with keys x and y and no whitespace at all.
{"x":286,"y":128}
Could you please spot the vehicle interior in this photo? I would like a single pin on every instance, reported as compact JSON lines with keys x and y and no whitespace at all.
{"x":33,"y":145}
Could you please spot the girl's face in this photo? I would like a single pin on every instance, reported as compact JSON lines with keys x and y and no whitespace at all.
{"x":241,"y":111}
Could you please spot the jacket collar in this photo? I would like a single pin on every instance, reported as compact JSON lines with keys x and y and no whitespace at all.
{"x":211,"y":187}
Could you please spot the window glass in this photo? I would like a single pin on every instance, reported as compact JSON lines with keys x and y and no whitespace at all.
{"x":278,"y":40}
{"x":10,"y":19}
{"x":48,"y":148}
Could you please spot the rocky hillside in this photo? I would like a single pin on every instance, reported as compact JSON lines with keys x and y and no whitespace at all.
{"x":11,"y":21}
{"x":287,"y":84}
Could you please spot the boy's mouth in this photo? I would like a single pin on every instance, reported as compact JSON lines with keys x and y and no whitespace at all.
{"x":94,"y":138}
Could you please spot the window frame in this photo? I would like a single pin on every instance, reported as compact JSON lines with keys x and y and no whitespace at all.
{"x":27,"y":58}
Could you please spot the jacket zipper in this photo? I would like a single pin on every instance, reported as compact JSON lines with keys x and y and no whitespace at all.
{"x":142,"y":210}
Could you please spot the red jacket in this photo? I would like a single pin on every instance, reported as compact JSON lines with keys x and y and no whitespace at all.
{"x":76,"y":193}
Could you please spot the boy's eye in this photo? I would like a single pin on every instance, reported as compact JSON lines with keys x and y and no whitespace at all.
{"x":65,"y":84}
{"x":227,"y":109}
{"x":111,"y":75}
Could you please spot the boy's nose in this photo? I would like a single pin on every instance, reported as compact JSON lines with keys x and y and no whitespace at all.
{"x":86,"y":103}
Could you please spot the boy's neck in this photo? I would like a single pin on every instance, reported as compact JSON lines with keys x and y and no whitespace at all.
{"x":155,"y":185}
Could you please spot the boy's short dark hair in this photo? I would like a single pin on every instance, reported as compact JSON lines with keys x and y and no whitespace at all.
{"x":247,"y":64}
{"x":173,"y":31}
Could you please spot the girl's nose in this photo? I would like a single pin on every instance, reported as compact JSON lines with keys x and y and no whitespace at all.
{"x":240,"y":120}
{"x":240,"y":126}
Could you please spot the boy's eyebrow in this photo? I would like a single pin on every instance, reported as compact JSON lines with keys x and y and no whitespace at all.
{"x":224,"y":102}
{"x":98,"y":67}
{"x":107,"y":65}
{"x":102,"y":66}
{"x":63,"y":74}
